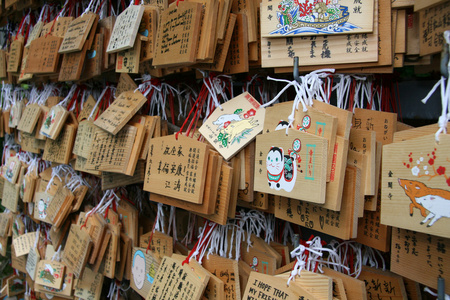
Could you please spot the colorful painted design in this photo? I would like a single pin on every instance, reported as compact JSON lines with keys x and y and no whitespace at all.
{"x":42,"y":208}
{"x":48,"y":274}
{"x":435,"y":201}
{"x":316,"y":16}
{"x":282,"y":169}
{"x":138,"y":269}
{"x":236,"y":126}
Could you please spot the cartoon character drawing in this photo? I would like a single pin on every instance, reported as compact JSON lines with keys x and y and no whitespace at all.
{"x":233,"y":127}
{"x":281,"y":169}
{"x":435,"y":201}
{"x":138,"y":269}
{"x":42,"y":209}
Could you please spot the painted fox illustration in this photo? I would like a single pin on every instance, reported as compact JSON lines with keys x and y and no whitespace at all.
{"x":436,"y":201}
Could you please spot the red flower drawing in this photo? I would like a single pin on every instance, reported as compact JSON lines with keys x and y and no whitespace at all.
{"x":225,"y":125}
{"x":251,"y":112}
{"x":441,"y":170}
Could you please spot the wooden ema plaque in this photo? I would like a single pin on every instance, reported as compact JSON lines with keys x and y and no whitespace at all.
{"x":161,"y":244}
{"x":50,"y":273}
{"x":383,"y":123}
{"x":125,"y":84}
{"x":382,"y":284}
{"x":115,"y":180}
{"x":127,"y":61}
{"x":420,"y":257}
{"x":60,"y":149}
{"x":124,"y":107}
{"x":177,"y":168}
{"x":143,"y":270}
{"x":178,"y":35}
{"x":116,"y":153}
{"x":214,"y":288}
{"x":262,"y":286}
{"x":10,"y":198}
{"x":89,"y":286}
{"x":58,"y":29}
{"x":364,"y":142}
{"x":84,"y":139}
{"x":23,"y":243}
{"x":415,"y":186}
{"x":30,"y":117}
{"x":237,"y":56}
{"x":77,"y":32}
{"x":341,"y":224}
{"x":431,"y":36}
{"x":43,"y":56}
{"x":286,"y":164}
{"x":226,"y":270}
{"x":322,"y":50}
{"x":15,"y":55}
{"x":297,"y":19}
{"x":53,"y":121}
{"x":94,"y":59}
{"x":318,"y":123}
{"x":77,"y":249}
{"x":125,"y":29}
{"x":3,"y":72}
{"x":231,"y":129}
{"x":148,"y":29}
{"x":174,"y":281}
{"x":221,"y":52}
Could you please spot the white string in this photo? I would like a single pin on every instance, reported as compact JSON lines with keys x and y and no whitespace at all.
{"x":37,"y":237}
{"x":57,"y":255}
{"x":69,"y":96}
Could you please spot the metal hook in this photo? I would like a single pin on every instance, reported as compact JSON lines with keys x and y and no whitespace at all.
{"x":296,"y":76}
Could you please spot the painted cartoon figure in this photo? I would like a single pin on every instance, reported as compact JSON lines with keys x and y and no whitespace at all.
{"x":138,"y":269}
{"x":281,"y":169}
{"x":435,"y":201}
{"x":42,"y":209}
{"x":288,"y":12}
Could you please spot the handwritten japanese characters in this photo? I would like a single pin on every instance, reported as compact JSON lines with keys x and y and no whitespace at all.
{"x":125,"y":29}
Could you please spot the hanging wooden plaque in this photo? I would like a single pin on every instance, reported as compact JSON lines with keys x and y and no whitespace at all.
{"x":148,"y":28}
{"x":24,"y":243}
{"x":246,"y":188}
{"x":89,"y":286}
{"x":318,"y":123}
{"x":115,"y":180}
{"x":77,"y":32}
{"x":420,"y":257}
{"x":30,"y":117}
{"x":383,"y":123}
{"x":125,"y":29}
{"x":124,"y":107}
{"x":3,"y":73}
{"x":12,"y":170}
{"x":323,"y":49}
{"x":127,"y":61}
{"x":143,"y":271}
{"x":24,"y":76}
{"x":237,"y":57}
{"x":10,"y":198}
{"x":77,"y":249}
{"x":231,"y":129}
{"x":354,"y":288}
{"x":341,"y":224}
{"x":116,"y":153}
{"x":84,"y":139}
{"x":415,"y":188}
{"x":54,"y":121}
{"x":50,"y":273}
{"x":207,"y":39}
{"x":43,"y":56}
{"x":431,"y":36}
{"x":188,"y":286}
{"x":364,"y":142}
{"x":221,"y":52}
{"x":177,"y":168}
{"x":60,"y":149}
{"x":374,"y":278}
{"x":292,"y":162}
{"x":297,"y":19}
{"x":94,"y":59}
{"x":57,"y":28}
{"x":178,"y":35}
{"x":226,"y":270}
{"x":161,"y":244}
{"x":15,"y":55}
